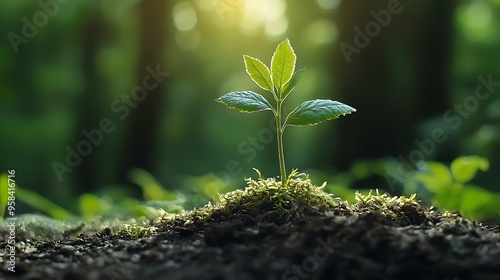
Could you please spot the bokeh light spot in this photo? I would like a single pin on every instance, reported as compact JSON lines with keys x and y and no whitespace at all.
{"x":476,"y":20}
{"x":269,"y":14}
{"x":277,"y":27}
{"x":184,"y":16}
{"x":322,"y":31}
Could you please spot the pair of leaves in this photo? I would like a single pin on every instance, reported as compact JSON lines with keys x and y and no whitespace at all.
{"x":439,"y":178}
{"x":282,"y":68}
{"x":451,"y":191}
{"x":310,"y":112}
{"x":280,"y":81}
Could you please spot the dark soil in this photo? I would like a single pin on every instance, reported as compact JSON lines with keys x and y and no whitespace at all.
{"x":329,"y":245}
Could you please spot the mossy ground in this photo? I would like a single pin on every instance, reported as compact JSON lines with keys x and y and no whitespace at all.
{"x":262,"y":197}
{"x":298,"y":198}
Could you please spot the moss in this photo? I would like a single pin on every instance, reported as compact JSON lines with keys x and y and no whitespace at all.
{"x":299,"y":197}
{"x":265,"y":198}
{"x":402,"y":210}
{"x":299,"y":194}
{"x":261,"y":199}
{"x":40,"y":227}
{"x":136,"y":230}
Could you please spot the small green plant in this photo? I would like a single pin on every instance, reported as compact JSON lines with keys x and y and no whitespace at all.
{"x":280,"y":80}
{"x":451,"y":189}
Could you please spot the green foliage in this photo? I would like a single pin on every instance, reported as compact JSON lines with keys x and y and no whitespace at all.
{"x":280,"y":81}
{"x":43,"y":204}
{"x":158,"y":200}
{"x":283,"y":64}
{"x":445,"y":187}
{"x":92,"y":205}
{"x":292,"y":83}
{"x":451,"y":191}
{"x":465,"y":168}
{"x":156,"y":196}
{"x":313,"y":112}
{"x":151,"y":188}
{"x":258,"y":72}
{"x":245,"y":101}
{"x":96,"y":212}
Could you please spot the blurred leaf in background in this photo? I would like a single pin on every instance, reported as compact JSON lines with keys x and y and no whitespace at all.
{"x":451,"y":190}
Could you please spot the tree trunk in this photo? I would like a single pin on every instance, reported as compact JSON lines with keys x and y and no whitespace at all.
{"x":397,"y":80}
{"x":144,"y":119}
{"x":91,"y":106}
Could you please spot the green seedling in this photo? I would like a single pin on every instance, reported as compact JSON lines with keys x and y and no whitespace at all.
{"x":451,"y":188}
{"x":280,"y":80}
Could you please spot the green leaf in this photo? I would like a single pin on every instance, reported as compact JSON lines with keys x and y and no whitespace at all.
{"x":449,"y":199}
{"x":42,"y":204}
{"x":283,"y":64}
{"x":91,"y":205}
{"x":245,"y":101}
{"x":315,"y":111}
{"x":465,"y":168}
{"x":151,"y":188}
{"x":259,"y":72}
{"x":478,"y":203}
{"x":436,"y":177}
{"x":292,"y":83}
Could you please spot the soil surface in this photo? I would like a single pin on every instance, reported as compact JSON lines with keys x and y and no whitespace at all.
{"x":329,"y":245}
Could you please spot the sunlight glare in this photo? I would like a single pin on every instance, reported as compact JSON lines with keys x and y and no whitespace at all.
{"x":205,"y":5}
{"x":269,"y":14}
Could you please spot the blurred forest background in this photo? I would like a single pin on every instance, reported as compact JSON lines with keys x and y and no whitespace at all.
{"x":69,"y":66}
